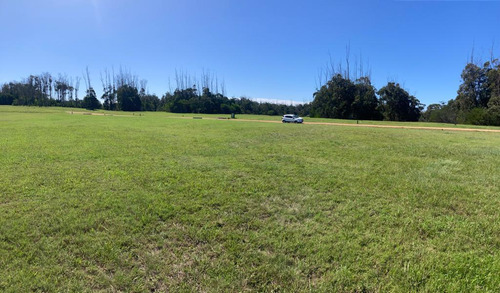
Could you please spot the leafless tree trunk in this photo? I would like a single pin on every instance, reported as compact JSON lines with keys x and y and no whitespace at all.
{"x":360,"y":70}
{"x":144,"y":84}
{"x":77,"y":87}
{"x":347,"y":58}
{"x":70,"y":89}
{"x":86,"y":78}
{"x":223,"y":87}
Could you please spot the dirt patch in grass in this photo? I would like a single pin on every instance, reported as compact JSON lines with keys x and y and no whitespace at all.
{"x":369,"y":125}
{"x":99,"y":114}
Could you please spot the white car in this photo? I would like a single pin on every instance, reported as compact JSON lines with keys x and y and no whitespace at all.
{"x":291,"y":118}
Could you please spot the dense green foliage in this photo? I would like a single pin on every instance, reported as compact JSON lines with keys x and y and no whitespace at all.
{"x":122,"y":92}
{"x":150,"y":102}
{"x":154,"y":203}
{"x":342,"y":98}
{"x":6,"y":98}
{"x":190,"y":101}
{"x":90,"y":101}
{"x":365,"y":104}
{"x":334,"y":100}
{"x":40,"y":90}
{"x":397,"y":105}
{"x":478,"y":97}
{"x":128,"y":98}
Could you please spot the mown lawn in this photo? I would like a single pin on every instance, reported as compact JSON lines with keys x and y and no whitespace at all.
{"x":151,"y":203}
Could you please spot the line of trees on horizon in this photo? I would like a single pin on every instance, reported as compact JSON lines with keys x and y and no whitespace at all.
{"x":347,"y":93}
{"x":344,"y":98}
{"x":124,"y":91}
{"x":478,"y":97}
{"x":343,"y":92}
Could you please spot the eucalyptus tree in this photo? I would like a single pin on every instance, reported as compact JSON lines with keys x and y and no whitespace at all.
{"x":397,"y":104}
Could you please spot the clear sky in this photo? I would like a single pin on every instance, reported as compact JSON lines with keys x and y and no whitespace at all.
{"x":262,"y":49}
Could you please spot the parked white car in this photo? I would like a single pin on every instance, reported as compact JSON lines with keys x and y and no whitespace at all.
{"x":291,"y":118}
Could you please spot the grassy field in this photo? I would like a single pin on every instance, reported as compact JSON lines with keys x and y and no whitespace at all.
{"x":150,"y":203}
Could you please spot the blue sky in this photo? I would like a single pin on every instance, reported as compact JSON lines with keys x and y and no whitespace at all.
{"x":262,"y":49}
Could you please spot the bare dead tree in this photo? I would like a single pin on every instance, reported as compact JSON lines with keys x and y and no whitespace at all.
{"x":102,"y":81}
{"x":188,"y":81}
{"x":344,"y":68}
{"x":369,"y":72}
{"x":86,"y":78}
{"x":62,"y":87}
{"x":50,"y":85}
{"x":492,"y":53}
{"x":179,"y":80}
{"x":347,"y":59}
{"x":330,"y":71}
{"x":361,"y":73}
{"x":70,"y":88}
{"x":472,"y":53}
{"x":114,"y":78}
{"x":318,"y":80}
{"x":125,"y":77}
{"x":121,"y":78}
{"x":107,"y":81}
{"x":143,"y":85}
{"x":77,"y":87}
{"x":46,"y":80}
{"x":204,"y":79}
{"x":355,"y":68}
{"x":223,"y":87}
{"x":216,"y":84}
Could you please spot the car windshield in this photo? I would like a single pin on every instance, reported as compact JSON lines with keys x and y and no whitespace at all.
{"x":295,"y":116}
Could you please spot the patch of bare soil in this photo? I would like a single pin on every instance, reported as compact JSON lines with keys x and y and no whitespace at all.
{"x":382,"y":126}
{"x":99,"y":114}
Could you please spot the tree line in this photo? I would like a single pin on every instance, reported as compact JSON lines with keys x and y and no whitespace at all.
{"x":347,"y":93}
{"x":344,"y":92}
{"x":344,"y":98}
{"x":477,"y":100}
{"x":124,"y":91}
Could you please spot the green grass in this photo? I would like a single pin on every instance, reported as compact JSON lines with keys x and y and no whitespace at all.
{"x":135,"y":204}
{"x":343,"y":121}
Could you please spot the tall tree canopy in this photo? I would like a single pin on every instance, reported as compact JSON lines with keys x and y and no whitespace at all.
{"x":90,"y":101}
{"x":473,"y":92}
{"x":398,"y":105}
{"x":365,"y":104}
{"x":128,"y":98}
{"x":335,"y":98}
{"x":341,"y":98}
{"x":477,"y":100}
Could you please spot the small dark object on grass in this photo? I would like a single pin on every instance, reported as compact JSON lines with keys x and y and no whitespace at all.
{"x":197,"y":117}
